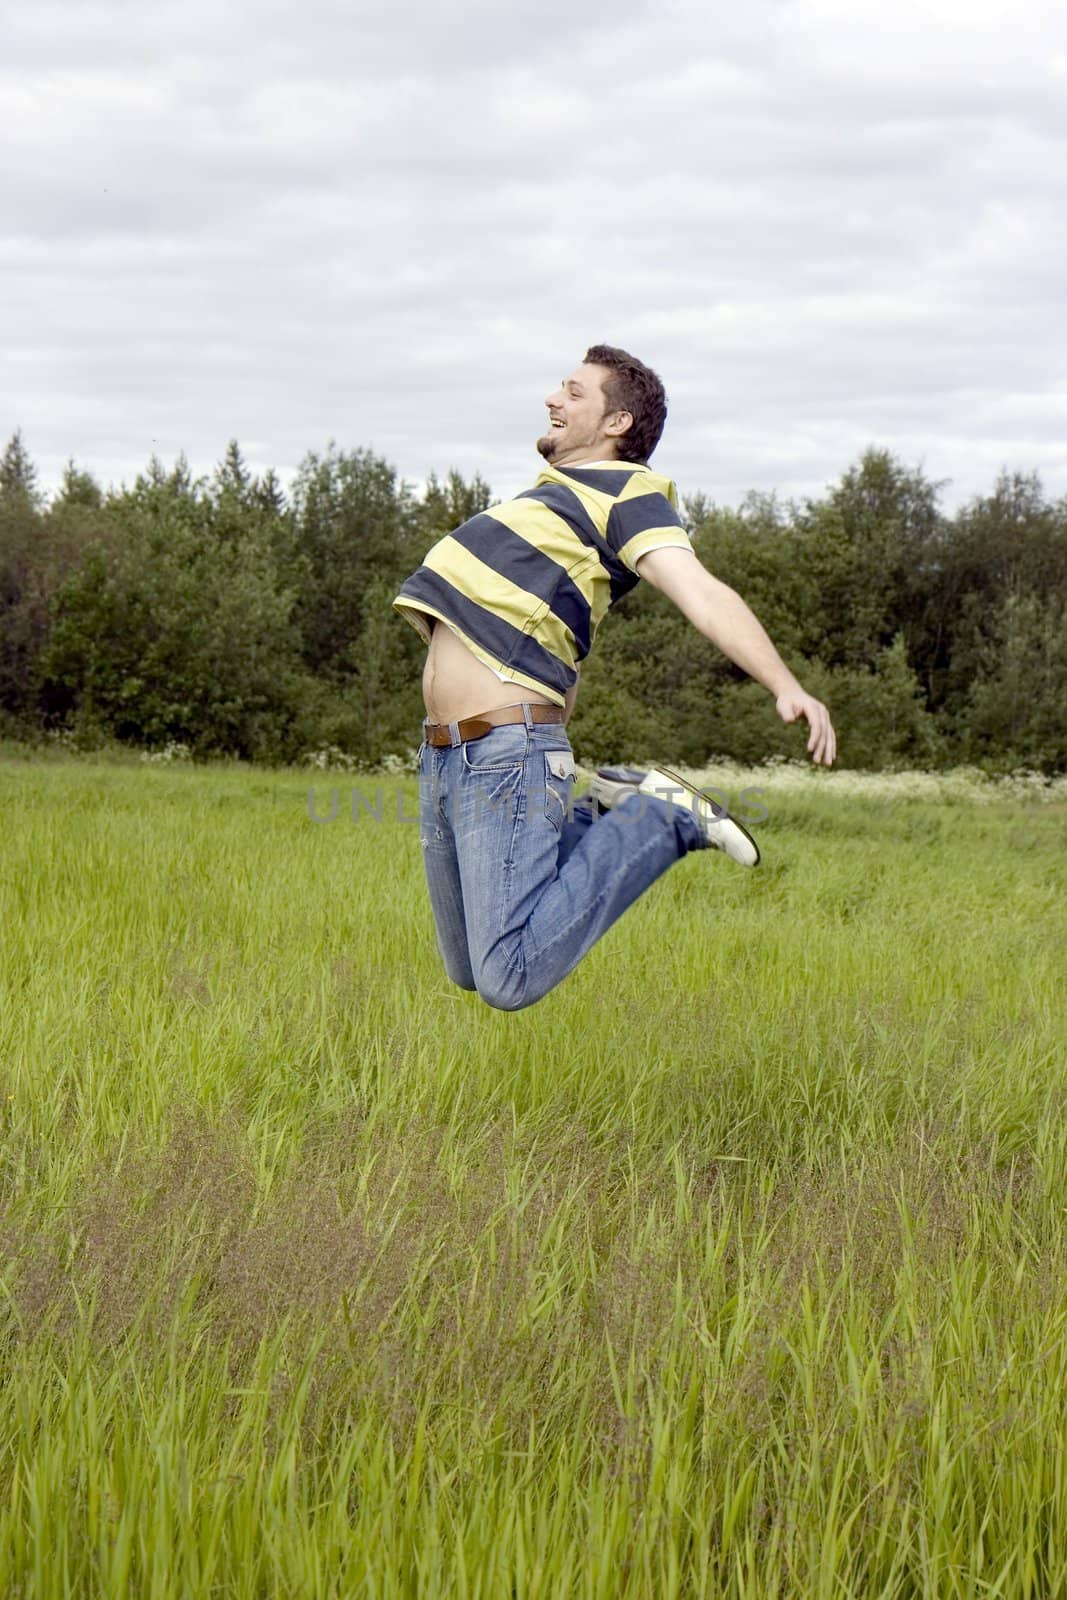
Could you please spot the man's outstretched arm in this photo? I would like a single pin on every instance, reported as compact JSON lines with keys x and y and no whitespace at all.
{"x":720,"y":614}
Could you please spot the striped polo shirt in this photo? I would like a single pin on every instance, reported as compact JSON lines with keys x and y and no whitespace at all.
{"x":526,"y":583}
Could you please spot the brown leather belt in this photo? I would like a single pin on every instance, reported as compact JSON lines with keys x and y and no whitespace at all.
{"x":440,"y":733}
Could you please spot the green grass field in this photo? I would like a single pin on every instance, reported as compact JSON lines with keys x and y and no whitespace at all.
{"x":738,"y":1266}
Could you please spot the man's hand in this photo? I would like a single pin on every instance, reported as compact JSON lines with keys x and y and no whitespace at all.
{"x":822,"y":741}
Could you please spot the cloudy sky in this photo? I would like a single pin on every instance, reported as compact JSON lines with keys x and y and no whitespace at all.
{"x":827,"y":225}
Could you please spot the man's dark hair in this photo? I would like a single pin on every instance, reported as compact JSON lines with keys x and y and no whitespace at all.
{"x":635,"y":388}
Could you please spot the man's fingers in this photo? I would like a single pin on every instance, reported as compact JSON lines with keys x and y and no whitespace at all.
{"x":822,"y":745}
{"x":822,"y":741}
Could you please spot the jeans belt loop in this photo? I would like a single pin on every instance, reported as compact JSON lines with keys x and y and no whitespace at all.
{"x":527,"y":715}
{"x":453,"y":730}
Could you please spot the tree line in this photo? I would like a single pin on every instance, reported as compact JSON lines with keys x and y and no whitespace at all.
{"x":225,"y":614}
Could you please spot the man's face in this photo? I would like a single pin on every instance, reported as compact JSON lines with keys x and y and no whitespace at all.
{"x":578,"y":428}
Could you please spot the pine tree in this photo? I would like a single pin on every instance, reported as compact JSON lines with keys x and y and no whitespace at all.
{"x":18,"y":475}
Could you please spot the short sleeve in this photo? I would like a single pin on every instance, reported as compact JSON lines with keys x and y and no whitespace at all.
{"x":645,"y":522}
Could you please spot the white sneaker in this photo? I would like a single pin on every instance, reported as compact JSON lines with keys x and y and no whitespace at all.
{"x":611,"y":784}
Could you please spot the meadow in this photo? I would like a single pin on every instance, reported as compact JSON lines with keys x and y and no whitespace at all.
{"x":737,"y":1266}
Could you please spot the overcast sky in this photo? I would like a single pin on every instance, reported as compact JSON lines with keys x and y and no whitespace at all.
{"x":825,"y":224}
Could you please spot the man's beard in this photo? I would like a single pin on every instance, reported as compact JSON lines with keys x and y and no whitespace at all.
{"x":546,"y":446}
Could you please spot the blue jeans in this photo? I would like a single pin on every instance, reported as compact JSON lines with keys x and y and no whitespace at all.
{"x":522,"y":880}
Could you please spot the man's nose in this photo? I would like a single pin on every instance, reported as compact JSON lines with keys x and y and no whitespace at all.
{"x":554,"y":399}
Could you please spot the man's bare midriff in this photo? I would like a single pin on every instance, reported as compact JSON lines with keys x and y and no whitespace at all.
{"x":455,"y":684}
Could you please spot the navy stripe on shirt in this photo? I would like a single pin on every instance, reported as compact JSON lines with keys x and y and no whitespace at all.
{"x":567,"y":505}
{"x":510,"y":646}
{"x":607,"y":482}
{"x":516,"y":559}
{"x":631,"y":517}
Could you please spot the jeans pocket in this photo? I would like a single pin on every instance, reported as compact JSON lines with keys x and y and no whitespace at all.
{"x":503,"y":750}
{"x":559,"y":785}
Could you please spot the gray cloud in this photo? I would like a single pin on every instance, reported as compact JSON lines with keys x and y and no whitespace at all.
{"x":398,"y":228}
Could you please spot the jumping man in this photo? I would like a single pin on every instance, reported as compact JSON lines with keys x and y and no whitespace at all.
{"x":522,"y":882}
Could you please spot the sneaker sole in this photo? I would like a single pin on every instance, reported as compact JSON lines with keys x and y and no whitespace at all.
{"x":735,"y":842}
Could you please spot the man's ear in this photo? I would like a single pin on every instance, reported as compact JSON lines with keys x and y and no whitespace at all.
{"x":621,"y":422}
